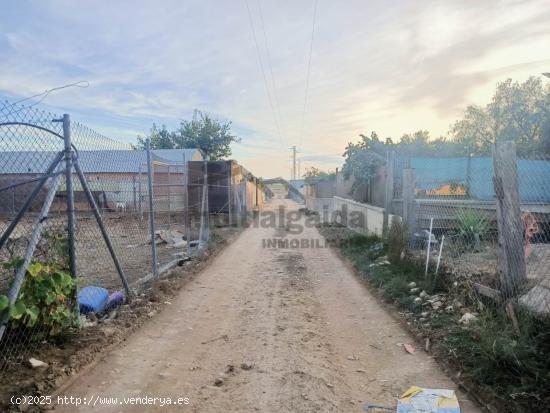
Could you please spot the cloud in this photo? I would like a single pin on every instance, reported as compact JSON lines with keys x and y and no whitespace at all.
{"x":393,"y":67}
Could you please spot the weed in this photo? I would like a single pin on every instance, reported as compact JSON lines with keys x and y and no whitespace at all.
{"x":472,"y":226}
{"x":511,"y":368}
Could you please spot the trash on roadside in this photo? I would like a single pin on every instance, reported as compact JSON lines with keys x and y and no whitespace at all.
{"x":173,"y":238}
{"x":93,"y":299}
{"x":35,"y":363}
{"x":115,"y":299}
{"x":408,"y":348}
{"x":419,"y":400}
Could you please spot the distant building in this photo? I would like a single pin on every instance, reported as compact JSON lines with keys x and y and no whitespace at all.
{"x":117,"y":178}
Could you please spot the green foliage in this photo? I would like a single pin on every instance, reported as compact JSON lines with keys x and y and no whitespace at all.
{"x":43,"y":299}
{"x":46,"y":291}
{"x":517,"y":111}
{"x":472,"y":226}
{"x":396,"y":240}
{"x":515,"y":367}
{"x":4,"y":303}
{"x":160,"y":138}
{"x":363,"y":160}
{"x":366,"y":252}
{"x":314,"y":175}
{"x":489,"y":353}
{"x":212,"y":137}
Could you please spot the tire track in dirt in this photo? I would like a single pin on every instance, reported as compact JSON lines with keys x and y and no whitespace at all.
{"x":312,"y":338}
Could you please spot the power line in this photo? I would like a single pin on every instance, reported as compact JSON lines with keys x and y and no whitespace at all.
{"x":263,"y":72}
{"x":276,"y":98}
{"x":308,"y":72}
{"x":81,"y":84}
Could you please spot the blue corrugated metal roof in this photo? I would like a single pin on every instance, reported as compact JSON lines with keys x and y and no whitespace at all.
{"x":106,"y":161}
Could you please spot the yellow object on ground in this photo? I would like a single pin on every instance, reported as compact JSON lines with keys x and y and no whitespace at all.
{"x":419,"y":400}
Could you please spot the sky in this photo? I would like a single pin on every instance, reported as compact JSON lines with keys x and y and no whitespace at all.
{"x":390,"y":66}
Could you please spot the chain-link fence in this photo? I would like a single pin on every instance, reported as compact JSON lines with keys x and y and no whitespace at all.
{"x":484,"y":219}
{"x":26,"y":172}
{"x":80,"y":242}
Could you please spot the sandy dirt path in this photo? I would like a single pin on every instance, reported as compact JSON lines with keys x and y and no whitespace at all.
{"x":316,"y":339}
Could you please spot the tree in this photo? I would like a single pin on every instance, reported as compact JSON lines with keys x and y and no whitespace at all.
{"x":160,"y":138}
{"x":517,"y":111}
{"x":209,"y":135}
{"x":363,"y":159}
{"x":203,"y":132}
{"x":314,"y":175}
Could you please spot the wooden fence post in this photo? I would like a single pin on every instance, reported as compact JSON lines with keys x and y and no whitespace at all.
{"x":390,"y":160}
{"x":510,"y":225}
{"x":409,"y":204}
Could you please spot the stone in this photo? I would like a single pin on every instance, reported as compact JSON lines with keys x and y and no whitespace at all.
{"x":537,"y":300}
{"x":109,"y":331}
{"x":467,"y":318}
{"x":246,"y":366}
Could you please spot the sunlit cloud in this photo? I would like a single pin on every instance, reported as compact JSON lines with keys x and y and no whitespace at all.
{"x":393,"y":67}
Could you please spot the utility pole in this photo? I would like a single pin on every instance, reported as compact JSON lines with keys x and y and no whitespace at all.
{"x":293,"y":162}
{"x":299,"y":169}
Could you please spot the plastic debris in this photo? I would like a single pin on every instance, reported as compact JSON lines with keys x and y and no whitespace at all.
{"x":93,"y":299}
{"x":35,"y":363}
{"x":115,"y":299}
{"x":419,"y":400}
{"x":408,"y":348}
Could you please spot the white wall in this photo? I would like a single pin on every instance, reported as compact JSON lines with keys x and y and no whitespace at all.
{"x":363,"y":218}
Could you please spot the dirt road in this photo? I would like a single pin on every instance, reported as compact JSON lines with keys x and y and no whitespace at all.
{"x":316,"y":340}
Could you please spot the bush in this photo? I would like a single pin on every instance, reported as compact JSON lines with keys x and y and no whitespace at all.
{"x":472,"y":226}
{"x":45,"y":296}
{"x":43,"y":299}
{"x":397,"y":240}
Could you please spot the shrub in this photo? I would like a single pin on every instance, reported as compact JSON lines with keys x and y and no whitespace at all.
{"x":397,"y":241}
{"x":43,"y":299}
{"x":472,"y":226}
{"x":45,"y":296}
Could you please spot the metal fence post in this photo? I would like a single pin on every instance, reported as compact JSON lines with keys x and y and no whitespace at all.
{"x":151,"y":205}
{"x":134,"y":195}
{"x":409,"y":204}
{"x":15,"y":287}
{"x":186,"y":205}
{"x":388,"y":199}
{"x":70,"y":200}
{"x":102,"y":229}
{"x":229,"y":209}
{"x":169,"y":198}
{"x":140,"y":195}
{"x":205,"y":210}
{"x":510,"y":225}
